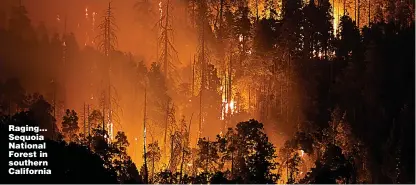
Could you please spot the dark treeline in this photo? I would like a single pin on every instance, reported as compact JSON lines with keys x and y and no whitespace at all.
{"x":92,"y":158}
{"x":81,"y":159}
{"x":351,"y":94}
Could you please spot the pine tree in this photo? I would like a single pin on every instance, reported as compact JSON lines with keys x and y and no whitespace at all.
{"x":153,"y":156}
{"x":70,"y":125}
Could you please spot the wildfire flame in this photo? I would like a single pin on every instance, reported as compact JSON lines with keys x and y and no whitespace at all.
{"x":336,"y":17}
{"x":301,"y":153}
{"x":232,"y":106}
{"x":228,"y":108}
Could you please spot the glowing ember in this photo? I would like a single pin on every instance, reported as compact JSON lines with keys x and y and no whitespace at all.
{"x":160,"y":9}
{"x":93,"y":21}
{"x":87,"y":39}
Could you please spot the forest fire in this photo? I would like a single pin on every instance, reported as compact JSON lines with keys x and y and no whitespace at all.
{"x":213,"y":92}
{"x":228,"y":107}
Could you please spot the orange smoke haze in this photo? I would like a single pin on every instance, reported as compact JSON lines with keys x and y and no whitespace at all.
{"x":136,"y":34}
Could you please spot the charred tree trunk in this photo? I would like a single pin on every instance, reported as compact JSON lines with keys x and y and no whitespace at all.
{"x":165,"y":57}
{"x":369,"y":13}
{"x":203,"y":82}
{"x":257,"y":10}
{"x":193,"y":77}
{"x":166,"y":126}
{"x":85,"y":126}
{"x":207,"y":158}
{"x":146,"y":177}
{"x":358,"y":14}
{"x":345,"y":10}
{"x":172,"y":154}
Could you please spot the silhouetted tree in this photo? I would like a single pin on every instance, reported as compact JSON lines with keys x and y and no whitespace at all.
{"x":70,"y":125}
{"x":254,"y":156}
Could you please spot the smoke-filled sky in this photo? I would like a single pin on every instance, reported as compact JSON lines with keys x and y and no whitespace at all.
{"x":134,"y":35}
{"x":79,"y":23}
{"x":134,"y":29}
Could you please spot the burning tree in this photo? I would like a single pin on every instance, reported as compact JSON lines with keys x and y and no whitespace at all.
{"x":106,"y":43}
{"x":168,"y":52}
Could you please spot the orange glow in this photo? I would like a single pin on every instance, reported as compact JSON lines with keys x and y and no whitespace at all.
{"x":140,"y":41}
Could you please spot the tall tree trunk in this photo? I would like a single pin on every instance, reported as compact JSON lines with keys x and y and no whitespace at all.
{"x":193,"y":78}
{"x":257,"y":10}
{"x":230,"y":93}
{"x":207,"y":158}
{"x":165,"y":55}
{"x":166,"y":126}
{"x":182,"y":161}
{"x":171,"y":165}
{"x":85,"y":126}
{"x":202,"y":76}
{"x":221,"y":12}
{"x":146,"y":176}
{"x":355,"y":11}
{"x":345,"y":10}
{"x":358,"y":14}
{"x":369,"y":12}
{"x":103,"y":130}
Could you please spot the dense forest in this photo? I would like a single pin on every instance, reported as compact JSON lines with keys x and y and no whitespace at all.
{"x":285,"y":91}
